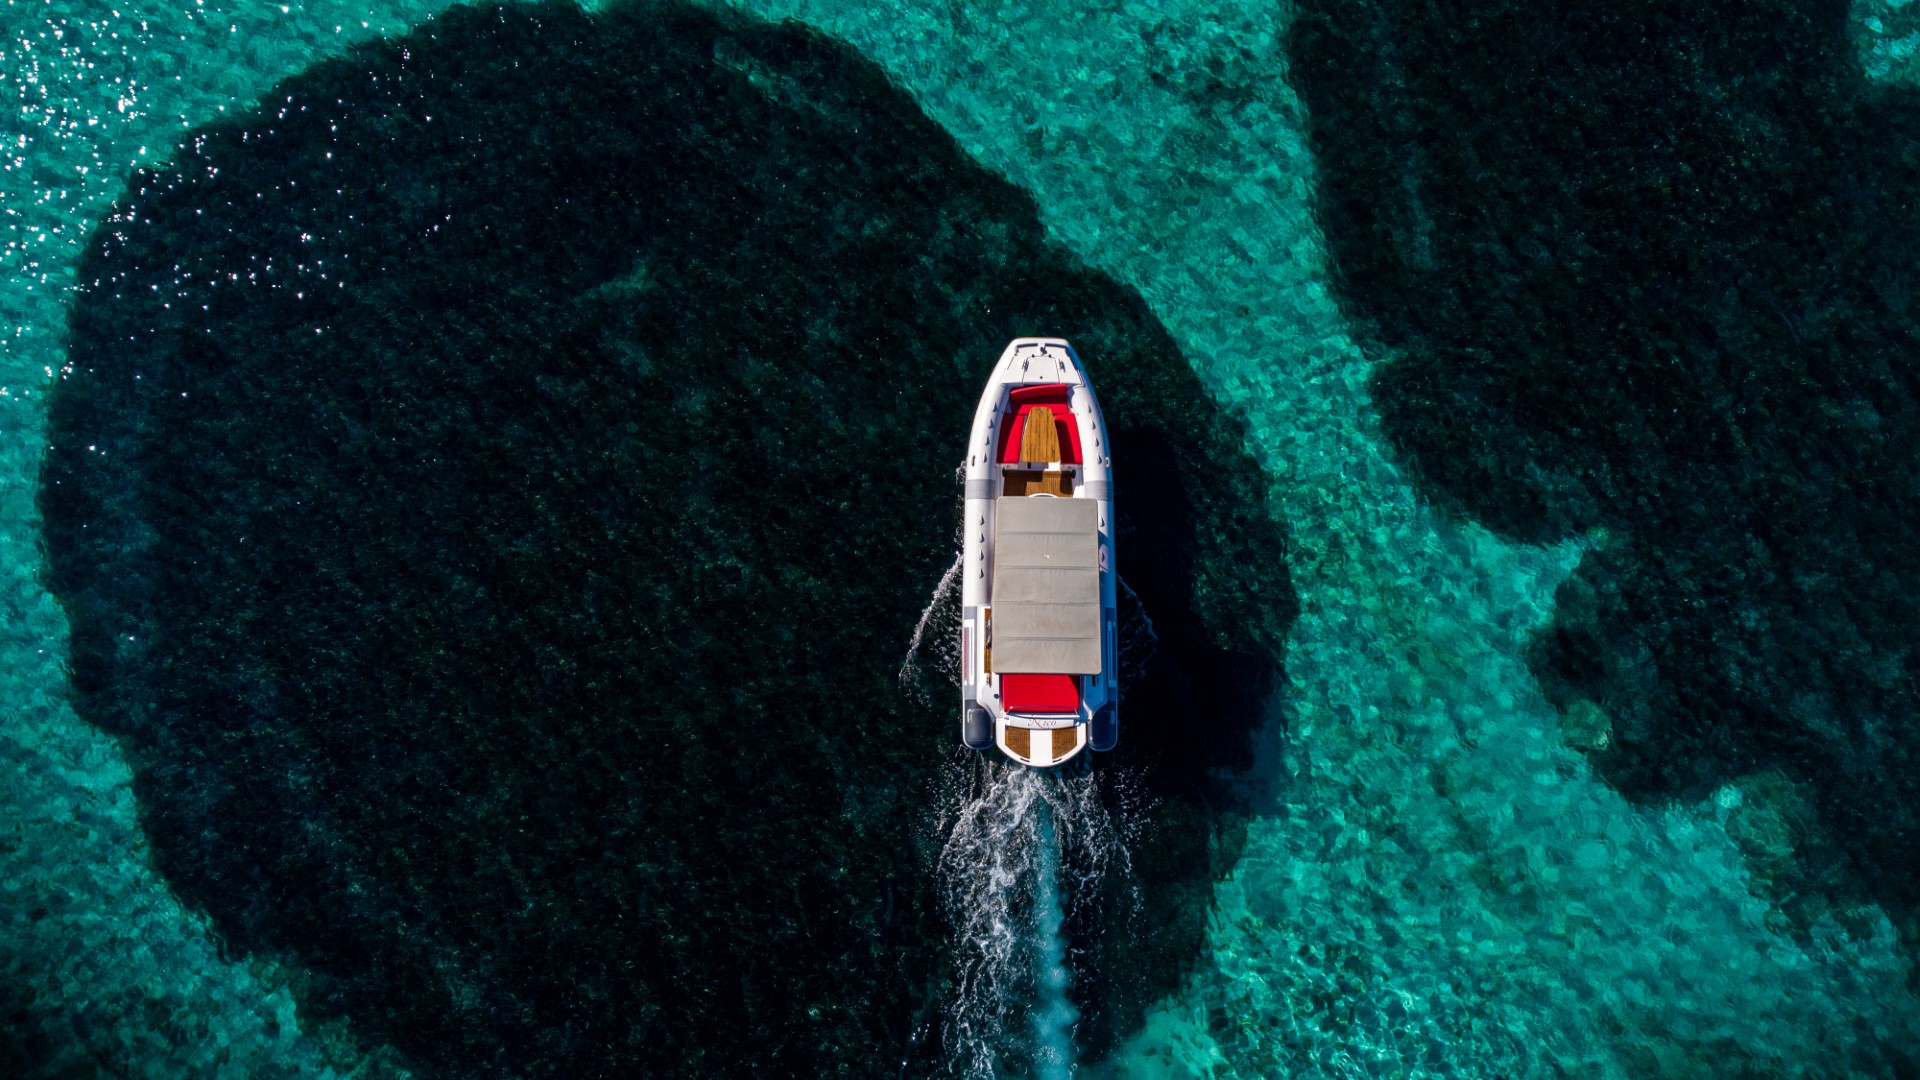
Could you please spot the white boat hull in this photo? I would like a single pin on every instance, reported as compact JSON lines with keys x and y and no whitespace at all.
{"x":1039,"y":715}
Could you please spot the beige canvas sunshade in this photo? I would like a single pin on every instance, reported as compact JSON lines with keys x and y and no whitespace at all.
{"x":1046,"y":586}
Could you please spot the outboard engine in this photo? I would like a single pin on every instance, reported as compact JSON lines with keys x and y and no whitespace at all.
{"x":976,"y":728}
{"x":1104,"y":731}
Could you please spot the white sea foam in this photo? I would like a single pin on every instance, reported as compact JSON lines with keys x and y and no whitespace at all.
{"x":944,"y":595}
{"x":1024,"y":849}
{"x":1053,"y":1013}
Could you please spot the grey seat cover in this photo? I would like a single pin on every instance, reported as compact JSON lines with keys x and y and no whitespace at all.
{"x":1046,"y":586}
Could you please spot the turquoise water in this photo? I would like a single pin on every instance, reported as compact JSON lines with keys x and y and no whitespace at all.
{"x":1417,"y":869}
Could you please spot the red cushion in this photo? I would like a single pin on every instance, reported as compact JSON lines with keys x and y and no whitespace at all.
{"x":1023,"y":399}
{"x":1040,"y":693}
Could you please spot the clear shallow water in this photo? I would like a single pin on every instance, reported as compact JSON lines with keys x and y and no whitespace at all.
{"x":1436,"y":884}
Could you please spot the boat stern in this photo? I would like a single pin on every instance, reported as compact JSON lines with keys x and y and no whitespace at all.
{"x":1042,"y":747}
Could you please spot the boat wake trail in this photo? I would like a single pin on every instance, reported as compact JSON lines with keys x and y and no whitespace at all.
{"x":1053,"y":1015}
{"x":942,"y":613}
{"x":1024,"y":850}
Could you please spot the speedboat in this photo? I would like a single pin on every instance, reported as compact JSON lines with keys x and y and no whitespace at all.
{"x":1039,"y":675}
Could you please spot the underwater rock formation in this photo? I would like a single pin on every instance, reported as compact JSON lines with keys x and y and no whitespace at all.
{"x":492,"y":487}
{"x":1657,"y":281}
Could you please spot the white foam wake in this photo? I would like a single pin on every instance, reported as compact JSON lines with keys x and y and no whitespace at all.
{"x":1024,"y":850}
{"x":939,"y":610}
{"x":1053,"y":1014}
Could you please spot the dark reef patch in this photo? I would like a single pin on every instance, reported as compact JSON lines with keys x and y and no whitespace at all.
{"x":493,"y":487}
{"x":25,"y":1049}
{"x":1653,"y":269}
